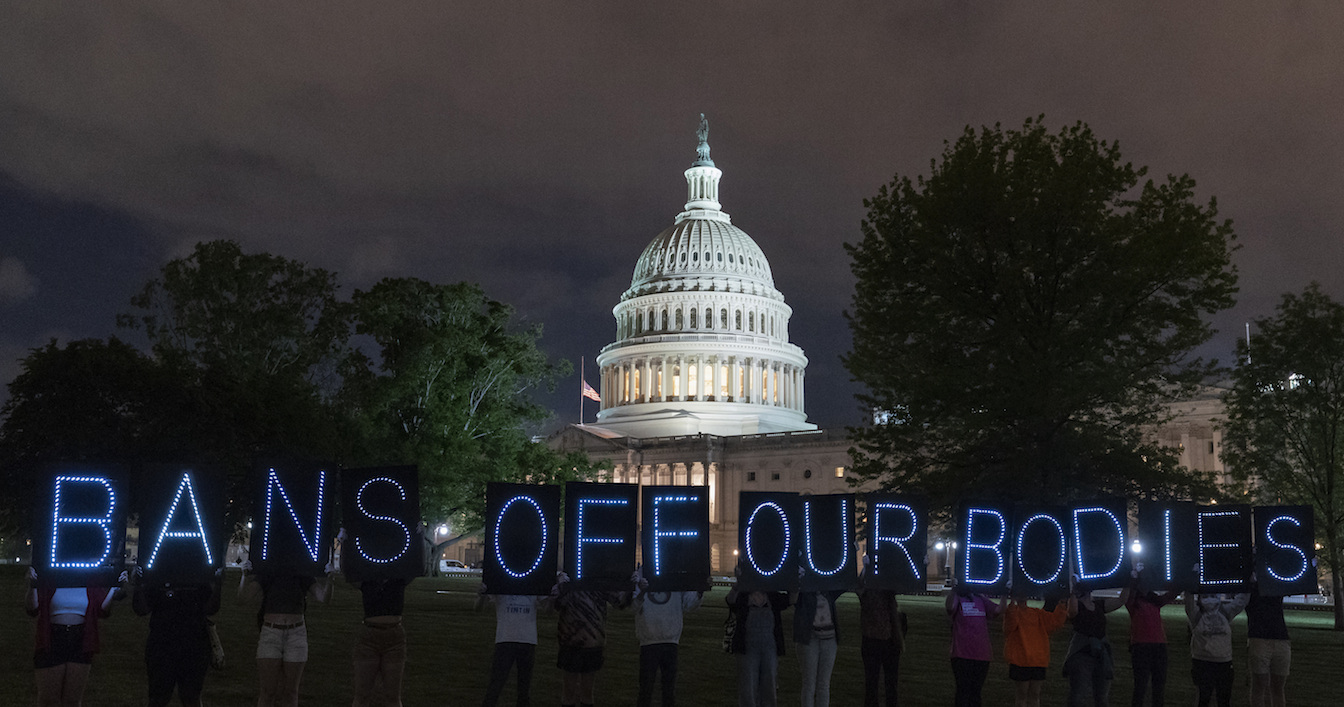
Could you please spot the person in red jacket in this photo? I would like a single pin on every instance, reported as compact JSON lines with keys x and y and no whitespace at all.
{"x":67,"y":636}
{"x":1026,"y":645}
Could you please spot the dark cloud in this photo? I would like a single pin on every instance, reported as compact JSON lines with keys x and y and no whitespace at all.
{"x":537,"y":147}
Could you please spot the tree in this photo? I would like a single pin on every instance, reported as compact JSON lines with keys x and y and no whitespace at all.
{"x":1022,"y":314}
{"x":449,"y":392}
{"x":1284,"y":434}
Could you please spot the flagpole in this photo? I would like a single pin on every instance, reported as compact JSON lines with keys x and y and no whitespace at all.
{"x":582,"y":379}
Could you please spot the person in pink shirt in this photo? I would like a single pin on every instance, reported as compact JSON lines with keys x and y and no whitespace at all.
{"x":1148,"y":642}
{"x":971,"y":650}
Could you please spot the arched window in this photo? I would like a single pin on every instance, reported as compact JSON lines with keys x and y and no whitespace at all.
{"x":653,"y":319}
{"x":751,"y":321}
{"x":679,"y":323}
{"x":723,"y":317}
{"x":664,"y":319}
{"x":720,"y":257}
{"x":738,"y":319}
{"x":639,"y":322}
{"x":772,"y":325}
{"x":683,"y":258}
{"x":693,"y":313}
{"x":695,"y":257}
{"x":709,"y":318}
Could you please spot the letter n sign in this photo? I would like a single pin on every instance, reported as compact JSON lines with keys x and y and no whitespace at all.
{"x":380,"y":507}
{"x":1285,"y":550}
{"x":897,"y":542}
{"x":600,"y":534}
{"x":182,"y":529}
{"x":769,"y":538}
{"x":520,"y":538}
{"x":675,"y":537}
{"x":292,"y":518}
{"x":80,"y":537}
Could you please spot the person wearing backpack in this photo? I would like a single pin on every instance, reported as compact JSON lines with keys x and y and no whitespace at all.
{"x":658,"y":624}
{"x":882,"y":626}
{"x":1210,"y":617}
{"x":758,"y":641}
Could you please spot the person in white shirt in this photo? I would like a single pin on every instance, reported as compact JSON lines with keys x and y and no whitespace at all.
{"x":515,"y":642}
{"x":658,"y":624}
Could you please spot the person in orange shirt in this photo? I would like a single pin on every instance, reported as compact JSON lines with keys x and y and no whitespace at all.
{"x":1026,"y":645}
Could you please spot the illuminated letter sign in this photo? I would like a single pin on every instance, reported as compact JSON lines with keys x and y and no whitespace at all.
{"x":1167,"y":549}
{"x":292,"y":528}
{"x":1285,"y":550}
{"x":1224,"y":549}
{"x":675,"y":537}
{"x":381,"y":514}
{"x":769,"y":558}
{"x":600,"y":534}
{"x":1041,"y":552}
{"x":520,"y":538}
{"x":897,"y":538}
{"x":828,"y":542}
{"x":182,"y":534}
{"x":1100,"y":530}
{"x":984,"y":528}
{"x":86,"y":529}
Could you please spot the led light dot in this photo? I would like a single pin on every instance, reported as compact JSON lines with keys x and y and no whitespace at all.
{"x":1063,"y":548}
{"x":499,"y":520}
{"x":751,"y":523}
{"x":359,"y":503}
{"x":995,"y":547}
{"x":879,"y":538}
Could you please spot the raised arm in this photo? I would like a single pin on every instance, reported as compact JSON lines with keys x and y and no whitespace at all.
{"x":248,"y":586}
{"x":1113,"y":604}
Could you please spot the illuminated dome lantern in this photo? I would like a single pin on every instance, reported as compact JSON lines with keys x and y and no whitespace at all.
{"x":702,"y":335}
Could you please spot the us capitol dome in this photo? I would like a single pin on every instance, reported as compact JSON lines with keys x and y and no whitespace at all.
{"x":702,"y":335}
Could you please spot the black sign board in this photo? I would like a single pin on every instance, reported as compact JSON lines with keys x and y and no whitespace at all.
{"x":1285,"y":550}
{"x":293,"y":519}
{"x":828,"y":553}
{"x":380,"y":509}
{"x":985,"y":547}
{"x":1224,"y":555}
{"x":675,"y":537}
{"x":770,"y":536}
{"x":1101,"y":543}
{"x":520,"y":538}
{"x":1041,"y":551}
{"x":897,"y":538}
{"x":1168,"y":551}
{"x":80,"y":537}
{"x":600,"y":534}
{"x":183,"y":536}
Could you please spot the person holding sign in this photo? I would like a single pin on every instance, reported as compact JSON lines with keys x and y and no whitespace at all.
{"x":582,"y":632}
{"x":971,"y":651}
{"x":1147,"y":640}
{"x":67,"y":636}
{"x":1210,"y":617}
{"x":178,"y":650}
{"x":816,"y":637}
{"x":515,"y":642}
{"x":758,"y":641}
{"x":882,"y":626}
{"x":1026,"y":646}
{"x":282,"y":647}
{"x":1088,"y":664}
{"x":1269,"y":648}
{"x":380,"y":650}
{"x":658,"y":623}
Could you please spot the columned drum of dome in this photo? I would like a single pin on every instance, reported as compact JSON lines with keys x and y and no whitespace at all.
{"x":702,"y":335}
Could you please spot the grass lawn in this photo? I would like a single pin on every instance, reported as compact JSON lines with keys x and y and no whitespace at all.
{"x":450,"y":648}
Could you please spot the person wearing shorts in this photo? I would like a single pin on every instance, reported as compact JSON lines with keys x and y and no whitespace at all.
{"x":582,"y":634}
{"x":1026,"y":646}
{"x":380,"y":649}
{"x":282,"y":646}
{"x":177,"y":649}
{"x":1270,"y":651}
{"x":66,"y":637}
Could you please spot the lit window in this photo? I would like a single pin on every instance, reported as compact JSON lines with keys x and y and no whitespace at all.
{"x":839,"y":472}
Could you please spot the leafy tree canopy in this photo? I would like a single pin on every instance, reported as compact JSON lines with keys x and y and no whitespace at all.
{"x":1023,"y":311}
{"x":1284,"y":435}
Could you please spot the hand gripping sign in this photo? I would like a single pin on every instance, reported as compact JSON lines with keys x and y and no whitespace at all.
{"x":380,"y":509}
{"x":521,"y":538}
{"x":183,"y":534}
{"x":81,"y":541}
{"x":896,"y":532}
{"x":675,"y":537}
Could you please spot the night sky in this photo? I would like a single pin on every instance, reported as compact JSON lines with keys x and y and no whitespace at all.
{"x":537,"y":147}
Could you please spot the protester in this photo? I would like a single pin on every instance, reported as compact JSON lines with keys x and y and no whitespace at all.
{"x":1147,"y":642}
{"x":178,"y":650}
{"x":282,"y":646}
{"x":882,"y":626}
{"x":816,"y":636}
{"x":1269,"y":649}
{"x":515,"y":642}
{"x":582,"y":632}
{"x":971,"y":650}
{"x":1210,"y":617}
{"x":758,"y":641}
{"x":658,"y":624}
{"x":1026,"y":646}
{"x":67,"y":636}
{"x":380,"y":649}
{"x":1088,"y":664}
